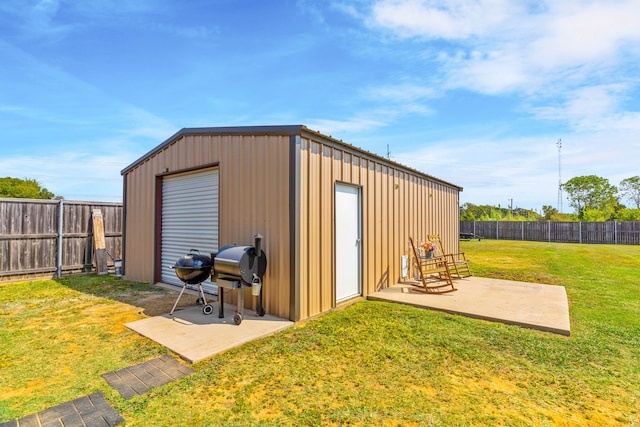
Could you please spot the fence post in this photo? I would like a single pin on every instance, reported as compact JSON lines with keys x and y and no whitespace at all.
{"x":580,"y":231}
{"x":497,"y":234}
{"x":521,"y":230}
{"x":60,"y":235}
{"x":615,"y":232}
{"x":549,"y":230}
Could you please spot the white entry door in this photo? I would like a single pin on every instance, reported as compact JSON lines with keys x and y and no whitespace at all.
{"x":348,"y":242}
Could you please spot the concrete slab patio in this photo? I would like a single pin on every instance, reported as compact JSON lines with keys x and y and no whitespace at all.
{"x":195,"y":336}
{"x":530,"y":305}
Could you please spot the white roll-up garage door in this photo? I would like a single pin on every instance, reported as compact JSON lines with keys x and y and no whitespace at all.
{"x":189,"y":219}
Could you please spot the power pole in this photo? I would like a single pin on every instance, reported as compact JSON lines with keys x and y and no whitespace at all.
{"x":559,"y":144}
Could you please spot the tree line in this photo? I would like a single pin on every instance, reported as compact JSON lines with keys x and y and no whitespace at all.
{"x":592,"y":197}
{"x":23,"y":189}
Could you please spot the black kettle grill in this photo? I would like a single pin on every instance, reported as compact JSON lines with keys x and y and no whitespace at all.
{"x":193,"y":269}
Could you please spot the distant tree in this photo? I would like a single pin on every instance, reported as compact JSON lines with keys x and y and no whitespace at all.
{"x":521,"y":214}
{"x":23,"y":189}
{"x":471,"y":212}
{"x":596,"y":215}
{"x":627,"y":215}
{"x":630,"y":189}
{"x":548,"y":212}
{"x":591,"y":192}
{"x":565,"y":217}
{"x":465,"y":212}
{"x":551,"y":214}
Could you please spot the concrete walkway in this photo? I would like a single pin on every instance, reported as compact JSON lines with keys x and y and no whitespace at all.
{"x":530,"y":305}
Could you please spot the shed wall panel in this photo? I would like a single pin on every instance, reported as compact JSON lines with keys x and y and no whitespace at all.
{"x":396,"y":204}
{"x":254,"y":184}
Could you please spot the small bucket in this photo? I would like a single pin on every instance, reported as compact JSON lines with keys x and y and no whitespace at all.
{"x":118,"y":267}
{"x":256,"y":286}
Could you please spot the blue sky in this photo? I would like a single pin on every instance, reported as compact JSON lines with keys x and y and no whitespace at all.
{"x":475,"y":92}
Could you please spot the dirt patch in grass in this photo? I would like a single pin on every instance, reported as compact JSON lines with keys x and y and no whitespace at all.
{"x":155,"y":304}
{"x":150,"y":300}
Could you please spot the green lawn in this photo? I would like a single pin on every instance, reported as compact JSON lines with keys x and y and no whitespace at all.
{"x":372,"y":363}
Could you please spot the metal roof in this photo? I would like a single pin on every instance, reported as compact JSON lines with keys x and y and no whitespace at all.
{"x":275,"y":130}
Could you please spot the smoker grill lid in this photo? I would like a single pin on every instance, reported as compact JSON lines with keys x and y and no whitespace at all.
{"x":240,"y":261}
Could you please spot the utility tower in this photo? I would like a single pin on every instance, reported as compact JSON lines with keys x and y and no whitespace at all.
{"x":559,"y":143}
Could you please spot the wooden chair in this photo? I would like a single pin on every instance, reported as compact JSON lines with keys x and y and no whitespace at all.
{"x":458,"y":263}
{"x":434,"y":274}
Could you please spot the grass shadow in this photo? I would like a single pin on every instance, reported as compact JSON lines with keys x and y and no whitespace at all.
{"x":153,"y":300}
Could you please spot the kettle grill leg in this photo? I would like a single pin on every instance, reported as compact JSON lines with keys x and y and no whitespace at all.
{"x":178,"y":299}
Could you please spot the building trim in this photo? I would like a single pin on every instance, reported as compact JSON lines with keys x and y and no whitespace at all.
{"x":294,"y":227}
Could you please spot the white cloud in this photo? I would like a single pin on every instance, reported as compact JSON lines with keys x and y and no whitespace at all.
{"x":495,"y":72}
{"x":446,"y":19}
{"x":569,"y":33}
{"x":337,"y":127}
{"x":593,"y":108}
{"x":567,"y":60}
{"x":398,"y":100}
{"x":492,"y":171}
{"x":401,"y":93}
{"x":586,"y":103}
{"x":574,"y":33}
{"x":136,"y":123}
{"x":525,"y":169}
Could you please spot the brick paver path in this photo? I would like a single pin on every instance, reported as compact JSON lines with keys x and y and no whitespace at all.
{"x":88,"y":411}
{"x":137,"y":379}
{"x":93,"y":410}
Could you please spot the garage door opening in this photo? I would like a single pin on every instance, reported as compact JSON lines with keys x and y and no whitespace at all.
{"x":189,"y":220}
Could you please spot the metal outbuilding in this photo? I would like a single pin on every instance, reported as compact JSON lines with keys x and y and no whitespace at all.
{"x":335,"y":218}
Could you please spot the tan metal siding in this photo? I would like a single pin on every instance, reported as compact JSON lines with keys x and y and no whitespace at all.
{"x":254,"y":198}
{"x":396,"y":204}
{"x":255,"y":191}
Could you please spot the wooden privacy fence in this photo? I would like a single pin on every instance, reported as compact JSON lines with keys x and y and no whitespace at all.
{"x":47,"y":238}
{"x":612,"y":232}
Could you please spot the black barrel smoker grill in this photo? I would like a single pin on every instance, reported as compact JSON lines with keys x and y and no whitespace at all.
{"x":236,"y":267}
